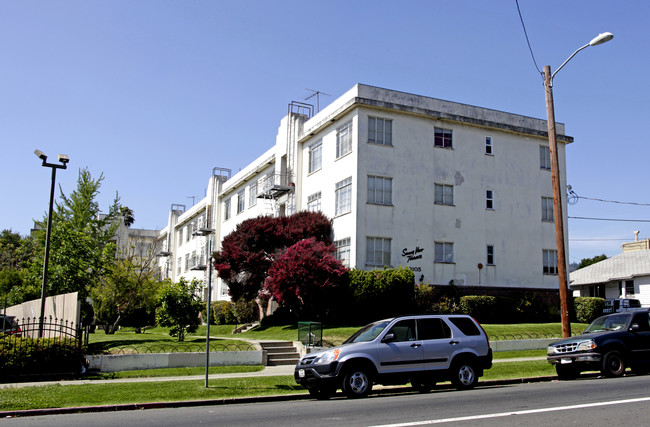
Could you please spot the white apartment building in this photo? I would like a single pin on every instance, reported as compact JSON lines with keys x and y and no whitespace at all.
{"x":452,"y":191}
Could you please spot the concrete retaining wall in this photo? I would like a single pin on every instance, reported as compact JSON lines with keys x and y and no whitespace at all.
{"x":515,"y":345}
{"x":129,"y":362}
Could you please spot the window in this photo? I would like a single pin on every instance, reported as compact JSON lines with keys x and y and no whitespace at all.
{"x":226,"y":209}
{"x":489,"y":199}
{"x":444,"y":252}
{"x":490,"y":255}
{"x":378,"y":251}
{"x":344,"y":140}
{"x":343,"y":251}
{"x":316,"y":157}
{"x":343,"y":196}
{"x":544,"y":157}
{"x":252,"y":195}
{"x":380,"y":131}
{"x":629,"y":287}
{"x":380,"y":190}
{"x":188,"y":233}
{"x":187,"y":262}
{"x":442,"y":138}
{"x":404,"y":330}
{"x":466,"y":326}
{"x":433,"y":329}
{"x":444,"y":194}
{"x":241,"y":201}
{"x":313,"y":202}
{"x":488,"y":145}
{"x":179,"y":265}
{"x":550,"y":261}
{"x":547,"y":209}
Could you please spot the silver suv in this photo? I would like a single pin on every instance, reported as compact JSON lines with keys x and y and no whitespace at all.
{"x":421,"y":350}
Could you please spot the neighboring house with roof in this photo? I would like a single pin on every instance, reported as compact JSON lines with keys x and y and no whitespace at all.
{"x":622,"y":276}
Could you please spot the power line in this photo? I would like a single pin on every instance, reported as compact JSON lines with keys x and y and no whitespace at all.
{"x":526,"y":35}
{"x":609,"y":219}
{"x":612,"y":201}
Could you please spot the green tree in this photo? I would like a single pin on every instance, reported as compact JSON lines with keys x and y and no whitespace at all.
{"x":589,"y":261}
{"x":16,"y":254}
{"x":81,"y":240}
{"x":127,"y":294}
{"x":179,"y":307}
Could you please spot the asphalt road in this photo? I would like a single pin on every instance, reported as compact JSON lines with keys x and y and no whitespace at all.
{"x":588,"y":402}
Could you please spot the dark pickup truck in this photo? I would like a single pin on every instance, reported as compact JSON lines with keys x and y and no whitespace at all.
{"x":610,"y":344}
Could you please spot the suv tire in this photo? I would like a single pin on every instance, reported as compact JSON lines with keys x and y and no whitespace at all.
{"x":357,"y":382}
{"x":613,"y":364}
{"x":463,"y":374}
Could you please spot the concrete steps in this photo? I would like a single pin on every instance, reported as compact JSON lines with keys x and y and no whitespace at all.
{"x":280,"y":353}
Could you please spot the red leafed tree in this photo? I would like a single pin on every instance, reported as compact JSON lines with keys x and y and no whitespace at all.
{"x":307,"y":278}
{"x":254,"y":246}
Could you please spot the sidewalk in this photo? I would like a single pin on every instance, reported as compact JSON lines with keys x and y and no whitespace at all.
{"x":268,"y":371}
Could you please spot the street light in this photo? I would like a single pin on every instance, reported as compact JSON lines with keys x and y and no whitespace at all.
{"x":207,"y":232}
{"x":63,"y":159}
{"x":557,"y":190}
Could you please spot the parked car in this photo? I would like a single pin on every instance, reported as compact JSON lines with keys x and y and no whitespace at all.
{"x":610,"y":344}
{"x":421,"y":350}
{"x":617,"y":305}
{"x":9,"y":325}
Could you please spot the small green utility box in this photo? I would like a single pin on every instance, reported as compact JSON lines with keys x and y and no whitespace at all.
{"x":310,"y":334}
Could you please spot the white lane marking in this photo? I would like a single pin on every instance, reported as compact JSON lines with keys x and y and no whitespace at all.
{"x":508,"y":414}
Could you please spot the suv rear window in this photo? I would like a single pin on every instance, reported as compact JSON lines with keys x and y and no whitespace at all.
{"x":466,"y":325}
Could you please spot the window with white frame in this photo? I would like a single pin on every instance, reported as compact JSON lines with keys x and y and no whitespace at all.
{"x":444,"y":194}
{"x":442,"y":138}
{"x":344,"y":140}
{"x":187,"y":262}
{"x":201,"y":222}
{"x":179,"y":265}
{"x":316,"y":156}
{"x":544,"y":157}
{"x":314,"y":202}
{"x":380,"y":131}
{"x":343,"y":251}
{"x":549,"y":261}
{"x":490,"y":255}
{"x":488,"y":145}
{"x":444,"y":252}
{"x":343,"y":196}
{"x":380,"y":190}
{"x":241,"y":201}
{"x":188,"y":233}
{"x":378,"y":251}
{"x":226,"y":209}
{"x":489,"y":199}
{"x":547,"y":209}
{"x":252,"y":194}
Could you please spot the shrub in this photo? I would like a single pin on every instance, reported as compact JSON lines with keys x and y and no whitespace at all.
{"x":29,"y":356}
{"x":380,"y":293}
{"x":588,"y":308}
{"x":480,"y":307}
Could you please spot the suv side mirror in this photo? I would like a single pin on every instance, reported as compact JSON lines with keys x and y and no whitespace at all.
{"x":634,"y":327}
{"x":388,"y":338}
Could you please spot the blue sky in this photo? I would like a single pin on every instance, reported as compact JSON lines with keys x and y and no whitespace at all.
{"x":154,"y":94}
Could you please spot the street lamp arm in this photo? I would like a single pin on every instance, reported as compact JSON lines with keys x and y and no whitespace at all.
{"x":568,"y":59}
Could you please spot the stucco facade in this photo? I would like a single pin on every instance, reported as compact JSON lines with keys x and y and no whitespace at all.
{"x":452,"y":191}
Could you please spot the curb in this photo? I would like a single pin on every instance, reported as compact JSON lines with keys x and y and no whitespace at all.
{"x":251,"y":399}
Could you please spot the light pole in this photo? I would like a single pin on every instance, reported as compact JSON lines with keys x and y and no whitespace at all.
{"x":557,"y":190}
{"x":207,"y":232}
{"x":63,"y":159}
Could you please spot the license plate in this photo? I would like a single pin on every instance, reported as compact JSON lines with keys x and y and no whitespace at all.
{"x":565,"y":361}
{"x":301,"y":373}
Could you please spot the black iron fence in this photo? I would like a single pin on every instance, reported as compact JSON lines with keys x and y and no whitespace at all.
{"x":38,"y":346}
{"x":179,"y":348}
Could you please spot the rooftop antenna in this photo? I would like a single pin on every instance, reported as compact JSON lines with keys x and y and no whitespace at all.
{"x":191,"y":197}
{"x":317,"y":94}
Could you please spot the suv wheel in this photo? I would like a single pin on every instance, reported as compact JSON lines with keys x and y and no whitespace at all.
{"x":613,"y":364}
{"x":357,"y":383}
{"x":463,"y":375}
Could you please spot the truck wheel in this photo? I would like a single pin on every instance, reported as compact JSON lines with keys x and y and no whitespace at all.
{"x":322,"y":393}
{"x":613,"y":364}
{"x":357,"y":383}
{"x":566,"y":372}
{"x":463,"y":375}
